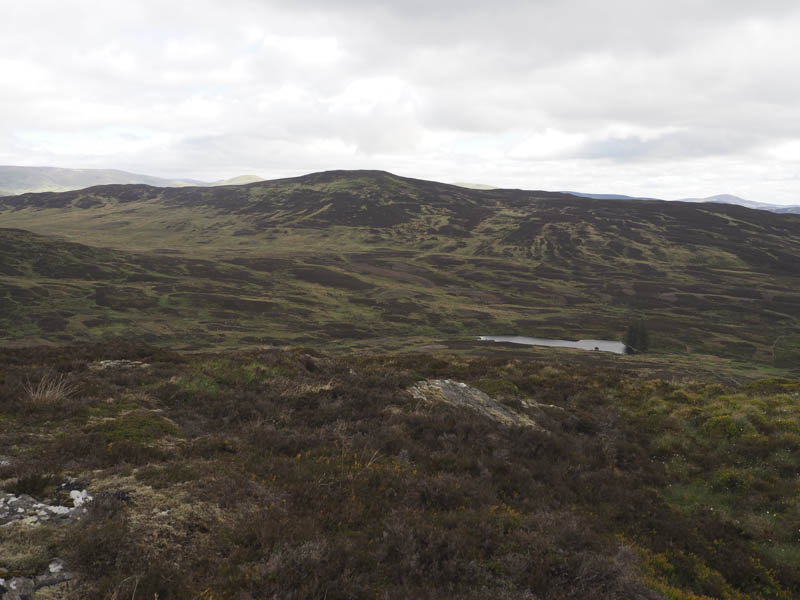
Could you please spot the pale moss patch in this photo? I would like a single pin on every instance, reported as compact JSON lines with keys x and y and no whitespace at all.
{"x":25,"y":550}
{"x":55,"y":592}
{"x":549,"y":371}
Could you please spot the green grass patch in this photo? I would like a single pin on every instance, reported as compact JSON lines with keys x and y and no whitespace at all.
{"x":142,"y":427}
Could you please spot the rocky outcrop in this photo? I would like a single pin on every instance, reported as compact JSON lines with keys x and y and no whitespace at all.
{"x":118,"y":364}
{"x":26,"y":588}
{"x":22,"y":510}
{"x":461,"y":395}
{"x":32,"y":512}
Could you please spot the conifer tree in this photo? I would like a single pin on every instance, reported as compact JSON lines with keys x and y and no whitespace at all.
{"x":637,"y":338}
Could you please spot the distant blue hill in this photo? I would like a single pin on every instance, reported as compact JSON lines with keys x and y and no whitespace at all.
{"x":609,"y":196}
{"x":20,"y":180}
{"x":718,"y":199}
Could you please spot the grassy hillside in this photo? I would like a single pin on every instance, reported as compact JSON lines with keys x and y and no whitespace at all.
{"x":368,"y":258}
{"x":305,"y":475}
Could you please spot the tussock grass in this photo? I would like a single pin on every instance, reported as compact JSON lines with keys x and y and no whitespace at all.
{"x":51,"y":388}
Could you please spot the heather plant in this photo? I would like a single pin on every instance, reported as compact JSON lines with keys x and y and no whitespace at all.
{"x":311,"y":475}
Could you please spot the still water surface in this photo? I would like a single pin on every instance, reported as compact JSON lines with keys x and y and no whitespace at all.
{"x":602,"y":345}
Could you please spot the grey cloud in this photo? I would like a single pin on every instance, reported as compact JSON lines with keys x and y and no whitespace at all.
{"x":687,"y":144}
{"x":434,"y":88}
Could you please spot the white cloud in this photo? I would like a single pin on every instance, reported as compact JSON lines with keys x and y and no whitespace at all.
{"x":788,"y":151}
{"x":311,"y":50}
{"x":24,"y":78}
{"x":549,"y":143}
{"x":183,"y":51}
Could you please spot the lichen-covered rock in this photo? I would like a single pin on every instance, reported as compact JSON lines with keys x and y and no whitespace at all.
{"x":118,"y":364}
{"x":17,"y":588}
{"x":25,"y":588}
{"x":30,"y":511}
{"x":56,"y":574}
{"x":463,"y":396}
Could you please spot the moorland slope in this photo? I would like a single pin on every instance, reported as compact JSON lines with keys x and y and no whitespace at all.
{"x":366,"y":257}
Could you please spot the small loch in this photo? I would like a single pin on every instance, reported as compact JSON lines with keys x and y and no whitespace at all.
{"x":601,"y":345}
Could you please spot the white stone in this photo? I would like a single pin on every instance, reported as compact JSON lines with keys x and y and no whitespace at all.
{"x":59,"y":510}
{"x":56,"y":566}
{"x":79,"y":498}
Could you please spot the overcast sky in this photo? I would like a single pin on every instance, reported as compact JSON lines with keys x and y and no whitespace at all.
{"x":670,"y":98}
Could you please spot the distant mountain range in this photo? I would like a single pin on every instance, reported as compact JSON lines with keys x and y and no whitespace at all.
{"x":475,"y":186}
{"x":718,"y":199}
{"x":729,"y":199}
{"x":20,"y":180}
